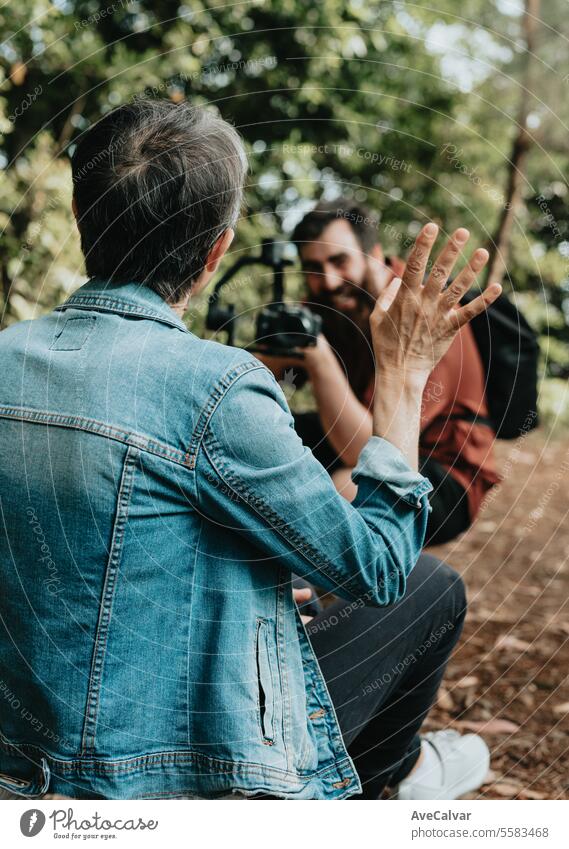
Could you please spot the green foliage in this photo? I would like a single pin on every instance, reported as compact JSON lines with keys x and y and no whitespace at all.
{"x":410,"y":109}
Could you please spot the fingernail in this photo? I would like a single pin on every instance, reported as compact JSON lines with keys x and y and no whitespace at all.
{"x":462,"y":234}
{"x":431,"y":229}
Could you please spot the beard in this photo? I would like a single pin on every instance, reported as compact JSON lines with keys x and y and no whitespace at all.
{"x":350,"y":303}
{"x":348,"y":331}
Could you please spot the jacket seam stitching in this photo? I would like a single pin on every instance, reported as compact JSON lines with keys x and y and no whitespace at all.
{"x":281,"y":665}
{"x":103,"y":625}
{"x":89,"y":425}
{"x":323,"y":697}
{"x":216,"y":396}
{"x":190,"y":635}
{"x":156,"y":758}
{"x":120,"y":308}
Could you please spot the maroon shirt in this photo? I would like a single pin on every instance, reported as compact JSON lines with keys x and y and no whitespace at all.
{"x":455,"y":386}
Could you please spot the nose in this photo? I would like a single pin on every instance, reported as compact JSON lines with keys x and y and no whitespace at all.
{"x":330,"y":279}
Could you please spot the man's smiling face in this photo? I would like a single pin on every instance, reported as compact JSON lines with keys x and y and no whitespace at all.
{"x":335,"y":268}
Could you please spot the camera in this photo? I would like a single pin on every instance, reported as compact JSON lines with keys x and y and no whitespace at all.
{"x":281,"y":328}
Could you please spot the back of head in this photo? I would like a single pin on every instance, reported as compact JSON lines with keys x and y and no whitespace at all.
{"x":155,"y":185}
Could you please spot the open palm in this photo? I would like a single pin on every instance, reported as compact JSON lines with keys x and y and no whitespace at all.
{"x":415,"y":320}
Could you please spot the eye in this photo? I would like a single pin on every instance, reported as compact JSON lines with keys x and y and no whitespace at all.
{"x":339,"y":260}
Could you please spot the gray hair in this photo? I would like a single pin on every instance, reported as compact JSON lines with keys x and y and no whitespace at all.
{"x":155,"y":185}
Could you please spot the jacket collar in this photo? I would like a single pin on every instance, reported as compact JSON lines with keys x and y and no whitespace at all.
{"x":128,"y":299}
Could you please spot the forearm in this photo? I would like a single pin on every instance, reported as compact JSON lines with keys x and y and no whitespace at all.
{"x":346,"y":422}
{"x":397,"y":410}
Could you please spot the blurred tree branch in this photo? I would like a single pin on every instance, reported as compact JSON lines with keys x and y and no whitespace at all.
{"x":499,"y":247}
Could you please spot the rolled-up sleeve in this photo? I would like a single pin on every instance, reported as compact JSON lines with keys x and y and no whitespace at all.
{"x":382,"y":461}
{"x":256,"y":478}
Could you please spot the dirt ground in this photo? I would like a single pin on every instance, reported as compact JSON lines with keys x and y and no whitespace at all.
{"x":509,"y":677}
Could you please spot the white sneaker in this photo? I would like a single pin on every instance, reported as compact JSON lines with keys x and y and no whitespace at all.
{"x":453,"y":765}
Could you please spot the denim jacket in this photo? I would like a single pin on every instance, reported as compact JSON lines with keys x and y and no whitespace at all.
{"x":155,"y":499}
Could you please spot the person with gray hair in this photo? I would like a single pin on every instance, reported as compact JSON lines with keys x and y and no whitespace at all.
{"x":156,"y":500}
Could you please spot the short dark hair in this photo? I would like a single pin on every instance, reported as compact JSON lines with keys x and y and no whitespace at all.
{"x":360,"y":218}
{"x":155,"y":184}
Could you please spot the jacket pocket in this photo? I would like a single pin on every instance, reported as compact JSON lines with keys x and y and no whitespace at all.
{"x":266,"y":682}
{"x":33,"y":789}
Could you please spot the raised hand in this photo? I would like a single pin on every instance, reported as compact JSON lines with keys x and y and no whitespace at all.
{"x":414,"y":321}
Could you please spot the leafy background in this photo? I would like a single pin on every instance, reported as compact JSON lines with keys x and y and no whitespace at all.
{"x":367,"y":99}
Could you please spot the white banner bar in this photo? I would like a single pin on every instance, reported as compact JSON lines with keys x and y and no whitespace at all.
{"x":335,"y":825}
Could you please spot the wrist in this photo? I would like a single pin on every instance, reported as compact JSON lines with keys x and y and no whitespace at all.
{"x":397,"y":410}
{"x":320,"y":361}
{"x":409,"y":381}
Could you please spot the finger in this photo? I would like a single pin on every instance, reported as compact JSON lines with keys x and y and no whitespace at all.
{"x":465,"y":279}
{"x":301,"y":595}
{"x":465,"y":314}
{"x":384,"y":302}
{"x":445,"y":261}
{"x":419,"y":256}
{"x":389,"y":294}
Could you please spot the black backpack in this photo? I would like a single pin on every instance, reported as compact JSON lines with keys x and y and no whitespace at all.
{"x":509,"y":350}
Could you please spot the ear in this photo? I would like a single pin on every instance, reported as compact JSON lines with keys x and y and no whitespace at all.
{"x":218,"y":251}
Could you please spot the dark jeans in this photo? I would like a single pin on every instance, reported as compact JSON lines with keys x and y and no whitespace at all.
{"x":383,"y":667}
{"x":449,"y":516}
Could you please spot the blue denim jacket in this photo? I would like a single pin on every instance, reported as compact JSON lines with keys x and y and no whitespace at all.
{"x":155,"y":499}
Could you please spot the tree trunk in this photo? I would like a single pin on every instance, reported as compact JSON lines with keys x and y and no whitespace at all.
{"x":499,"y":247}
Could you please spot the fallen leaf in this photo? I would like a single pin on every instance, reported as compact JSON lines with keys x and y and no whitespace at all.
{"x":526,"y":698}
{"x":532,"y":590}
{"x":484,"y":614}
{"x":508,"y":641}
{"x":562,"y":709}
{"x":492,"y":726}
{"x":468,"y":681}
{"x":532,"y":794}
{"x":444,"y":700}
{"x":491,"y":776}
{"x":506,"y":789}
